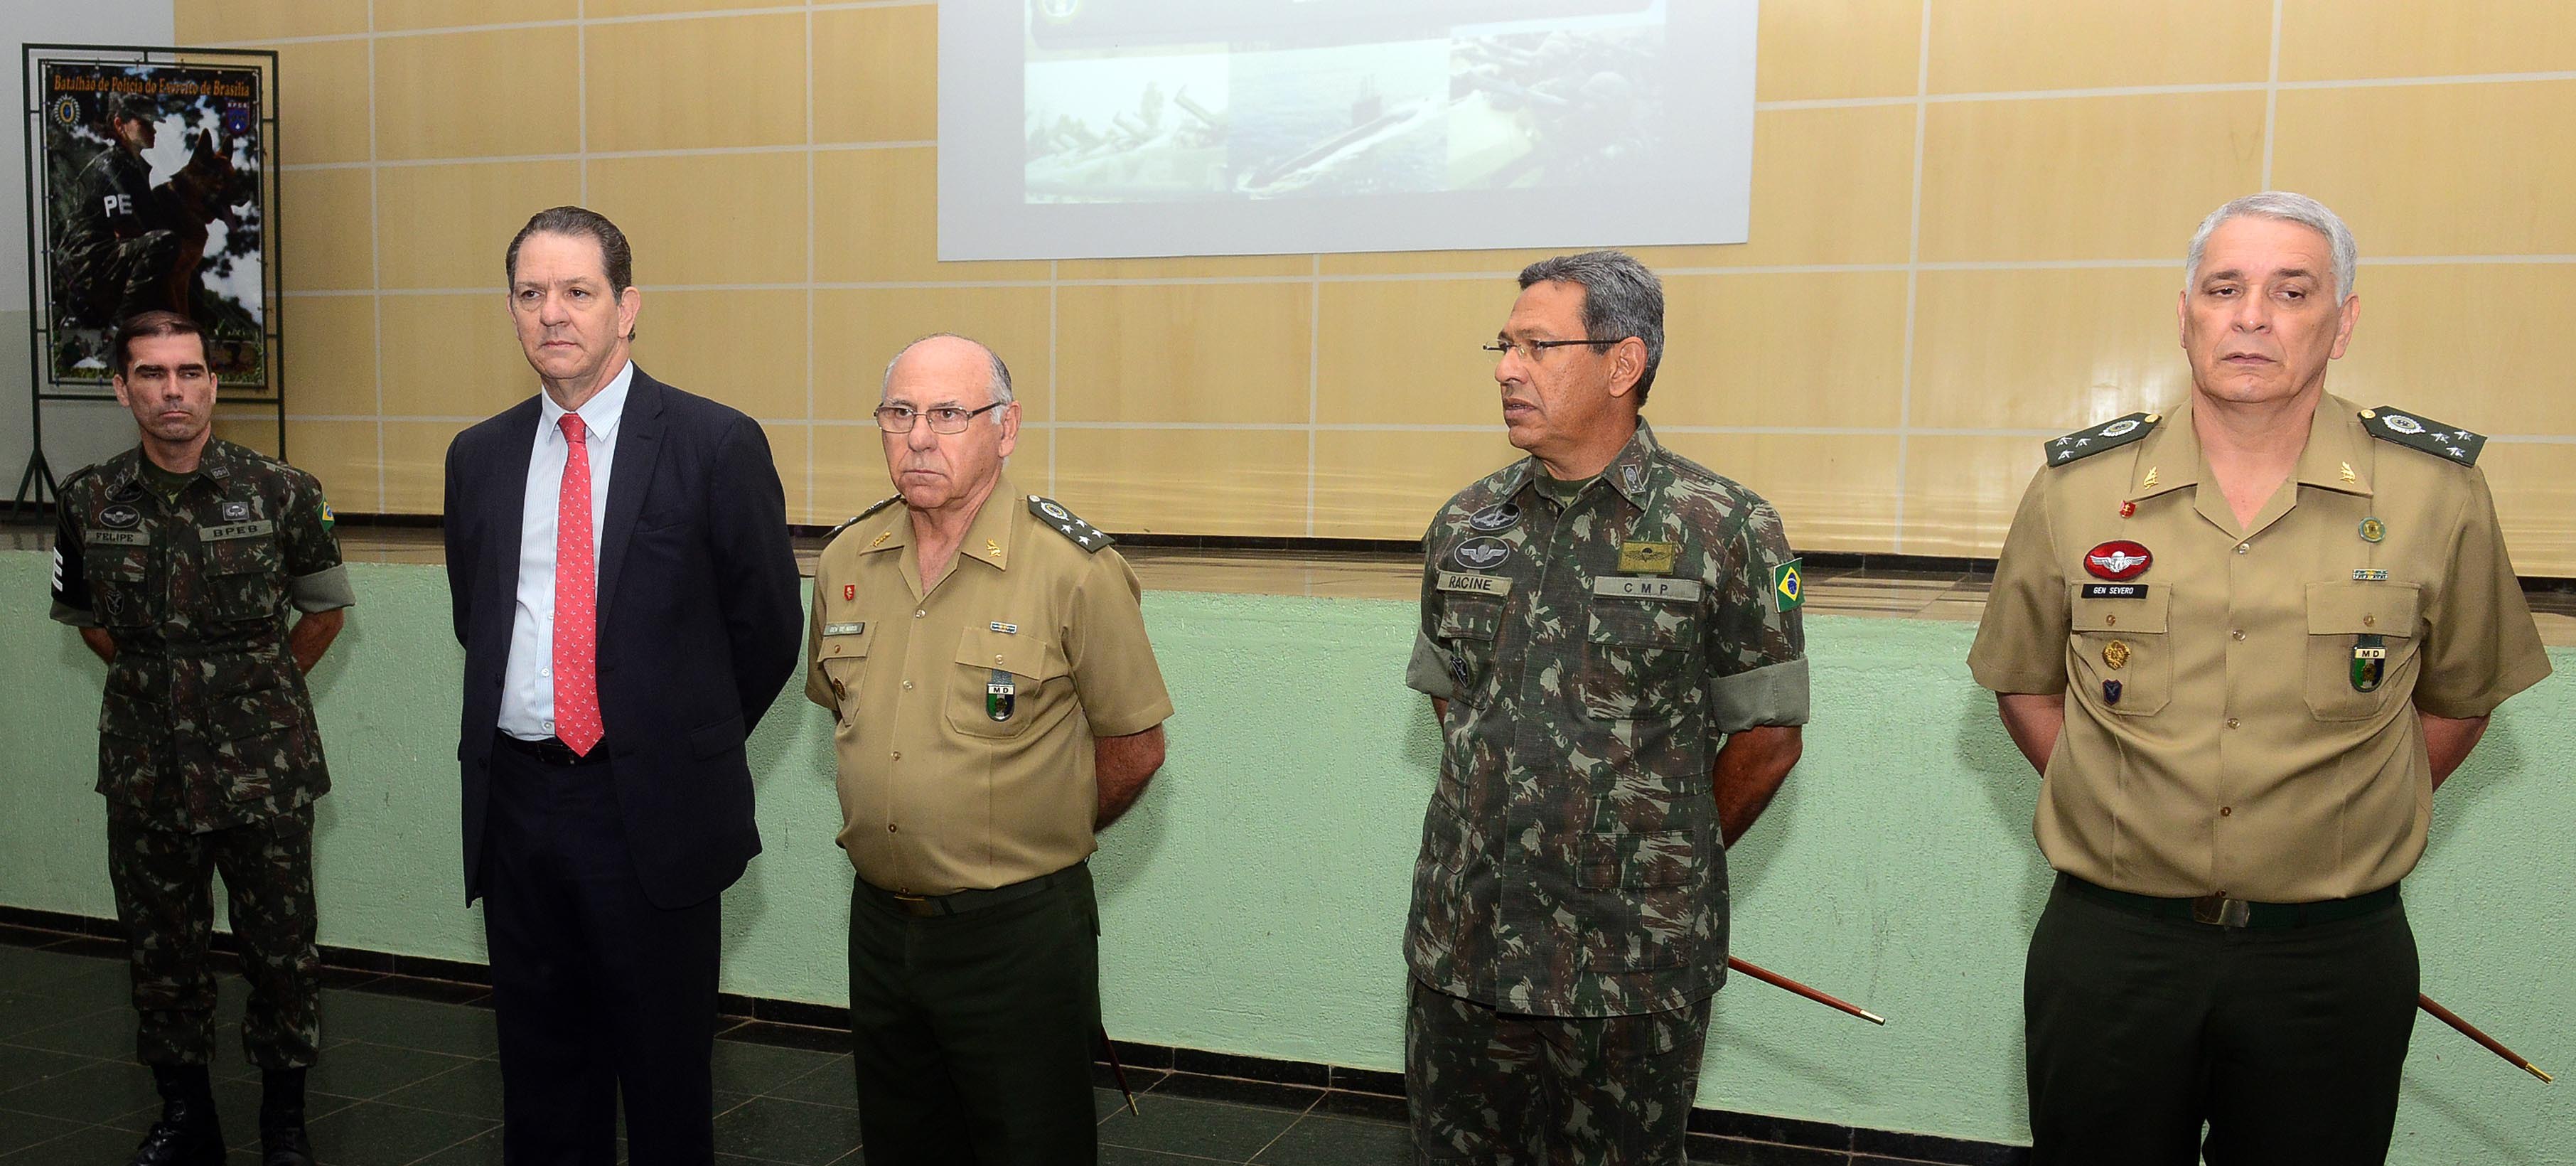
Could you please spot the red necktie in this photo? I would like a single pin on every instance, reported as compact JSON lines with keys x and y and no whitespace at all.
{"x":577,"y":720}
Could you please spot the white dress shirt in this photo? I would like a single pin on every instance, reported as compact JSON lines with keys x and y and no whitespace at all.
{"x":528,"y":682}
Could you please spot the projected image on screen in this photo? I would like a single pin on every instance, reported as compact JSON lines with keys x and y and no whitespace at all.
{"x":1440,"y":113}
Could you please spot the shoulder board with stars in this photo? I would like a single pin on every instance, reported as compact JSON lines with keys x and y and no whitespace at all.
{"x":855,"y":519}
{"x":2448,"y":442}
{"x":1083,"y":534}
{"x":2086,"y":442}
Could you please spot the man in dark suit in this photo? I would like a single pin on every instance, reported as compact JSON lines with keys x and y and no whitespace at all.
{"x":617,"y":555}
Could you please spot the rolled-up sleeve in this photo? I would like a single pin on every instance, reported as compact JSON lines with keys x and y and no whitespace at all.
{"x":1757,"y":640}
{"x":2021,"y":639}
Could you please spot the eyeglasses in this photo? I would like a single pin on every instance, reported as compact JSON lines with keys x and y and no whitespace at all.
{"x":943,"y":418}
{"x":1533,"y":349}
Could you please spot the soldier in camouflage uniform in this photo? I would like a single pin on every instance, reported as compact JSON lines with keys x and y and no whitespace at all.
{"x":1610,"y":635}
{"x":178,"y":560}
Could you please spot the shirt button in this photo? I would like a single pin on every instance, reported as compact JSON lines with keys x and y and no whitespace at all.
{"x":2231,"y":722}
{"x":2241,"y":548}
{"x":898,"y":755}
{"x":2111,"y":621}
{"x":907,"y":686}
{"x":548,"y":726}
{"x":997,"y":659}
{"x":891,"y":828}
{"x":2370,"y":621}
{"x":545,"y":671}
{"x":919,"y":614}
{"x":2238,"y":633}
{"x":2224,"y":811}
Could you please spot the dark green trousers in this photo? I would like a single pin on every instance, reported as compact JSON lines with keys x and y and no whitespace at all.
{"x":973,"y":1032}
{"x":2286,"y":1042}
{"x":164,"y":882}
{"x":1496,"y":1088}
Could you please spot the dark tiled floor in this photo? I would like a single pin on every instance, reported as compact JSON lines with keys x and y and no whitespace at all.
{"x":405,"y":1080}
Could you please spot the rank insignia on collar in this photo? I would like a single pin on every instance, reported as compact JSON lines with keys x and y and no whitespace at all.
{"x":2369,"y":662}
{"x":1000,"y":695}
{"x":2450,"y":443}
{"x":1631,"y":475}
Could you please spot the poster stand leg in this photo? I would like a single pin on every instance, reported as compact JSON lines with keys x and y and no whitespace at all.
{"x":34,"y":486}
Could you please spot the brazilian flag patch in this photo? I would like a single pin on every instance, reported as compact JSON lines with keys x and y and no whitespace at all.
{"x":327,"y":517}
{"x":1788,"y":588}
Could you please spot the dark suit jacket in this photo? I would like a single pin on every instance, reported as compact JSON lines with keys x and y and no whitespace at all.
{"x":699,"y":623}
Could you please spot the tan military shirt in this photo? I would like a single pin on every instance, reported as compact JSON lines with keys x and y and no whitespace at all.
{"x":967,"y":715}
{"x":2241,"y":711}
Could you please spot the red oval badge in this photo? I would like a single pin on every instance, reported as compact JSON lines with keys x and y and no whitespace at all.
{"x":2118,"y":560}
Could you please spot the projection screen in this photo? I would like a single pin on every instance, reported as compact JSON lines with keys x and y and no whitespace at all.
{"x":1103,"y":128}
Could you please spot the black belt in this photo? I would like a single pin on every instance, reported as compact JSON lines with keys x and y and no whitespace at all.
{"x":552,"y":750}
{"x":2221,"y":911}
{"x":961,"y":902}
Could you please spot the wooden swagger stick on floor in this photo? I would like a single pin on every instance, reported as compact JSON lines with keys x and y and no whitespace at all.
{"x":1777,"y":980}
{"x":2470,"y":1031}
{"x":1120,"y":1071}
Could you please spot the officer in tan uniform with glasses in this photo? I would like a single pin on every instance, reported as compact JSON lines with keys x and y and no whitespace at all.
{"x":2244,"y":641}
{"x":998,"y":703}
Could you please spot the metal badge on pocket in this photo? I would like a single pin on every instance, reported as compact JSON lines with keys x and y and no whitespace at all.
{"x":2369,"y":662}
{"x":999,"y":695}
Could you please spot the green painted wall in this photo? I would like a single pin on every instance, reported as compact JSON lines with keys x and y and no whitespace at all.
{"x":1255,"y":900}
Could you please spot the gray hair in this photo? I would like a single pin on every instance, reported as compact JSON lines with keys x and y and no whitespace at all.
{"x":2288,"y":207}
{"x":1000,"y":374}
{"x":1620,"y":299}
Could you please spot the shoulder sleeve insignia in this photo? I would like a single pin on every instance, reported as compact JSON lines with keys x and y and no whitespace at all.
{"x":2086,"y":442}
{"x":2450,"y":443}
{"x":855,"y":519}
{"x":1083,"y":534}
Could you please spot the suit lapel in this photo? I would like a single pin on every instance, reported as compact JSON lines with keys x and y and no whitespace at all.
{"x":639,"y":446}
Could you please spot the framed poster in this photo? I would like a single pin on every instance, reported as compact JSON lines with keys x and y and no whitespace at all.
{"x":152,"y":184}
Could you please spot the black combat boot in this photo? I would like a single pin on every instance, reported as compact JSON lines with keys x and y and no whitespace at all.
{"x":281,"y":1119}
{"x":187,"y":1134}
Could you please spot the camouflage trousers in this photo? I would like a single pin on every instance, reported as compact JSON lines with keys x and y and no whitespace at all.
{"x":164,"y":898}
{"x":1505,"y":1089}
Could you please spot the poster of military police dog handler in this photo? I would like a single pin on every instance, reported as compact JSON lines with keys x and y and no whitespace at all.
{"x":153,"y":171}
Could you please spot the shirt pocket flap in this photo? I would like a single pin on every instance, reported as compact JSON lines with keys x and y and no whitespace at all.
{"x":2344,"y":608}
{"x":1020,"y":653}
{"x":2143,"y":614}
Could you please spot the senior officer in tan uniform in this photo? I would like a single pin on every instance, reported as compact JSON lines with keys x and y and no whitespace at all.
{"x":2244,"y":641}
{"x":998,"y":704}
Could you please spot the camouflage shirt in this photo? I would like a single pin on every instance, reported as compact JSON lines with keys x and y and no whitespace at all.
{"x":1594,"y":659}
{"x":206,"y":723}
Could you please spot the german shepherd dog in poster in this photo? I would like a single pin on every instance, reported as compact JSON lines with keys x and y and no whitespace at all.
{"x":153,"y":200}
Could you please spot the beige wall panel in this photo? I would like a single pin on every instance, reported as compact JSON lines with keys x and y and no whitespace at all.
{"x":707,"y":218}
{"x":1960,"y":492}
{"x":415,"y":465}
{"x":322,"y":231}
{"x":330,"y":354}
{"x":2045,"y":349}
{"x":1378,"y":484}
{"x":2336,"y":39}
{"x":1808,"y":349}
{"x":744,"y":348}
{"x":418,"y":79}
{"x":2085,"y":178}
{"x":876,"y":220}
{"x":250,"y":427}
{"x":876,"y":74}
{"x":857,"y":331}
{"x":2437,"y":169}
{"x":850,"y":470}
{"x":451,"y":226}
{"x":1492,"y":264}
{"x":1183,"y":481}
{"x":201,"y":22}
{"x":1815,"y":49}
{"x":2485,"y":346}
{"x":2534,"y":494}
{"x":452,"y":356}
{"x":322,"y":111}
{"x":413,"y":15}
{"x":1183,"y":352}
{"x":1403,"y":352}
{"x":2013,"y":45}
{"x":340,"y":454}
{"x":695,"y":84}
{"x":1835,"y":492}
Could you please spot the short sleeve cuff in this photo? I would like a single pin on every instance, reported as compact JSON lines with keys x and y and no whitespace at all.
{"x":1130,"y":723}
{"x":1428,"y":670}
{"x":324,"y":590}
{"x":2522,"y":674}
{"x":1774,"y":694}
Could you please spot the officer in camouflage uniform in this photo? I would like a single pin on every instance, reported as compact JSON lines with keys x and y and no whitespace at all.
{"x":113,"y":258}
{"x":177,"y":560}
{"x":1610,"y":635}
